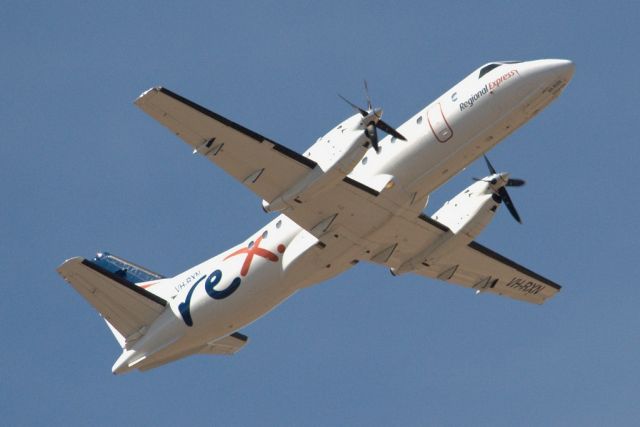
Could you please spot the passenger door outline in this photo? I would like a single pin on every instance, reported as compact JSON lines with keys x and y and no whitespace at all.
{"x":438,"y":123}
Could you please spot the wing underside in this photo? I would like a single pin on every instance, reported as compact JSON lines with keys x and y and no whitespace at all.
{"x":265,"y":167}
{"x":475,"y":266}
{"x":413,"y":248}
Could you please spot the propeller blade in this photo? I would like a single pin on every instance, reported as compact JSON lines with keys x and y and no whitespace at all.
{"x":372,"y":133}
{"x":504,"y":195}
{"x":383,"y":126}
{"x":491,"y":169}
{"x":515,"y":182}
{"x":366,"y":93}
{"x":374,"y":142}
{"x":354,"y":106}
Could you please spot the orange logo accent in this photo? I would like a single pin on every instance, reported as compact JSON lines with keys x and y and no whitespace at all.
{"x":255,"y":249}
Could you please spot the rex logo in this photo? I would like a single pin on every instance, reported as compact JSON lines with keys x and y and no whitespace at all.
{"x":215,"y":278}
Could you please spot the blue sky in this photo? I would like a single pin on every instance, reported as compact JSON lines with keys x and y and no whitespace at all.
{"x":83,"y":170}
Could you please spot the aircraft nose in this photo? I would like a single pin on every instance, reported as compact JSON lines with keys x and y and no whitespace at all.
{"x":562,"y":67}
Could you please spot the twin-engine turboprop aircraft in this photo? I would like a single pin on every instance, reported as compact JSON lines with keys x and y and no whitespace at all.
{"x":350,"y":197}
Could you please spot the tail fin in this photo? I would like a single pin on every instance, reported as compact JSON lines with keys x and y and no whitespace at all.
{"x":108,"y":284}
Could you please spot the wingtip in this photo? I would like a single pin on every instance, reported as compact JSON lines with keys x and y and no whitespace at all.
{"x":148,"y":92}
{"x":72,"y":260}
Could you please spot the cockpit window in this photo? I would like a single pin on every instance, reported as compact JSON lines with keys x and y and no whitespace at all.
{"x":484,"y":70}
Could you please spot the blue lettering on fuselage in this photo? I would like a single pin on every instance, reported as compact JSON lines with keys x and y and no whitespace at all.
{"x":212,"y":280}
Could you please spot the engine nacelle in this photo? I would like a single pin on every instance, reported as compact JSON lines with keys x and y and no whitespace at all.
{"x":466,"y":215}
{"x":470,"y":211}
{"x":336,"y":154}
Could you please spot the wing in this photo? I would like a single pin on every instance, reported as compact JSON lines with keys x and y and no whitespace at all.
{"x":431,"y":249}
{"x":269,"y":169}
{"x":127,"y":308}
{"x":265,"y":167}
{"x":475,"y":266}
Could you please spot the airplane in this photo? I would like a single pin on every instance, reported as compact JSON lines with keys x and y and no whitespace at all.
{"x":349,"y":197}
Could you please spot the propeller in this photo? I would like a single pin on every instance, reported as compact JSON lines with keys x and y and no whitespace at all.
{"x":501,"y":192}
{"x":371,"y":130}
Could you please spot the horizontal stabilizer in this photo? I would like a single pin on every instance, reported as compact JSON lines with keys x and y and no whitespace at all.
{"x":228,"y":345}
{"x":225,"y":346}
{"x":128,"y":308}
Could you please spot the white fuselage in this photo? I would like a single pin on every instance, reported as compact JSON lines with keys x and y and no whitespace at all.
{"x":231,"y":290}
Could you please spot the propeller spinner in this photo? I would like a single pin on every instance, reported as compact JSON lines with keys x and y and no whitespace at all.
{"x":499,"y":183}
{"x":371,"y":129}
